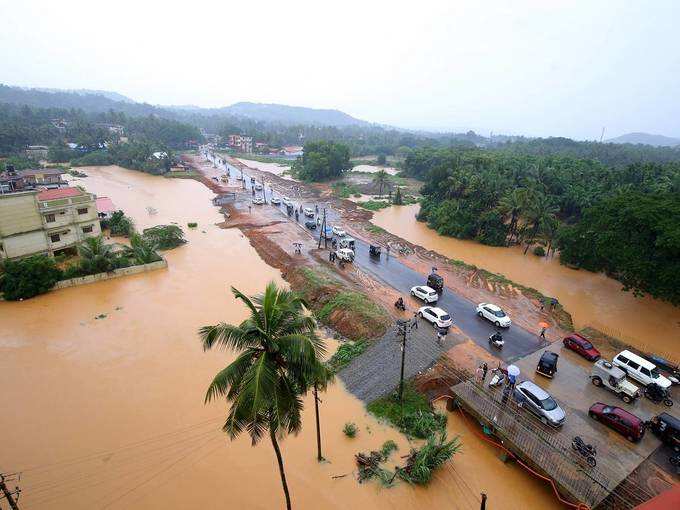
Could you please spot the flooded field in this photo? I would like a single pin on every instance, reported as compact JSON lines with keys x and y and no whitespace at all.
{"x":109,"y":413}
{"x":371,"y":169}
{"x":592,"y":299}
{"x":272,"y":168}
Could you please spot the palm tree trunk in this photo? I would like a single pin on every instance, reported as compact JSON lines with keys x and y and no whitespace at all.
{"x":275,"y":444}
{"x":319,"y":457}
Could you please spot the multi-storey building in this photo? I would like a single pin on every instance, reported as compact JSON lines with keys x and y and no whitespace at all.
{"x":49,"y":221}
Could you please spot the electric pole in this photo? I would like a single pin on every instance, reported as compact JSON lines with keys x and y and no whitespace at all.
{"x":402,"y":327}
{"x":319,"y":457}
{"x":9,"y":495}
{"x":483,"y":504}
{"x":323,"y":231}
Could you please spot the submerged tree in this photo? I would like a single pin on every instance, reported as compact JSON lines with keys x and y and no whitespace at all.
{"x":278,"y":361}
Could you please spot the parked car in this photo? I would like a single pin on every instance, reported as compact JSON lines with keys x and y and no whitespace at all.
{"x":310,"y":224}
{"x":287,"y":201}
{"x":275,"y":200}
{"x":308,"y":212}
{"x":638,"y":368}
{"x":339,"y":232}
{"x":580,"y":345}
{"x":667,"y":428}
{"x":623,"y":422}
{"x":258,"y":200}
{"x":436,"y":316}
{"x":436,"y":282}
{"x":547,"y":365}
{"x":346,"y":242}
{"x":669,"y":367}
{"x":258,"y":187}
{"x":614,"y":379}
{"x":537,"y":401}
{"x":494,"y":314}
{"x":345,"y":254}
{"x":425,"y":293}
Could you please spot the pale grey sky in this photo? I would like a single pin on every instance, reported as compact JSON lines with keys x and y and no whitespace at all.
{"x":535,"y":67}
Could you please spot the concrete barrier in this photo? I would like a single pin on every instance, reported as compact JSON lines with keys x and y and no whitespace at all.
{"x":116,"y":273}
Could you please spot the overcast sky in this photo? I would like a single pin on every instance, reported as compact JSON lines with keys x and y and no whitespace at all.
{"x":541,"y":68}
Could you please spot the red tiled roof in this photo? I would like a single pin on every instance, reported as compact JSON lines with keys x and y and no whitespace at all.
{"x":53,"y":194}
{"x":105,"y":205}
{"x":668,"y":499}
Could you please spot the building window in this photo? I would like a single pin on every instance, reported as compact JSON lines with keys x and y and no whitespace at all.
{"x":82,"y":210}
{"x":87,"y":230}
{"x":55,"y":238}
{"x":49,"y":218}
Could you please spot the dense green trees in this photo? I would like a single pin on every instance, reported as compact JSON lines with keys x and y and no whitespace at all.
{"x":28,"y":277}
{"x":322,"y":161}
{"x":165,"y":236}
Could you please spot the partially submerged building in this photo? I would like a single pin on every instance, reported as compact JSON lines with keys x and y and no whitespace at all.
{"x":49,"y":222}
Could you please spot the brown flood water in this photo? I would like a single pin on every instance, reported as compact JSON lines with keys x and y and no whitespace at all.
{"x":592,"y":299}
{"x":133,"y":383}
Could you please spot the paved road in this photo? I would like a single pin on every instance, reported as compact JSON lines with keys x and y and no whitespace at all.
{"x":376,"y":372}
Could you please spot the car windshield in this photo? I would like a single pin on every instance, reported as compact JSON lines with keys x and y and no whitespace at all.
{"x":655,"y":373}
{"x":548,"y":404}
{"x":498,"y":313}
{"x":431,"y":293}
{"x":445,"y":317}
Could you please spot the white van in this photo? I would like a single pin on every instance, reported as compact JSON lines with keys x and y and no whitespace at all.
{"x":640,"y":369}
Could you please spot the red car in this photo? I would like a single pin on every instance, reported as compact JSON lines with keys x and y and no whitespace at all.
{"x":582,"y":346}
{"x":625,"y":423}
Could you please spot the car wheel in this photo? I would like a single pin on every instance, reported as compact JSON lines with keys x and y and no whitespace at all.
{"x":630,"y":438}
{"x":544,"y":420}
{"x":626,"y":398}
{"x":593,"y":416}
{"x":420,"y":314}
{"x":413,"y":293}
{"x":597,"y":381}
{"x":497,"y":324}
{"x":481,"y":315}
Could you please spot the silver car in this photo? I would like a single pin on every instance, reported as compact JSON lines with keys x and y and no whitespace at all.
{"x":538,"y":401}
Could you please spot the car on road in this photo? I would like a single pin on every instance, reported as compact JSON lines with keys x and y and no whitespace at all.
{"x":345,"y":254}
{"x":623,"y":422}
{"x":258,"y":187}
{"x":287,"y":201}
{"x":547,"y":365}
{"x":493,"y":314}
{"x":614,"y":379}
{"x":258,"y":200}
{"x":638,"y":368}
{"x":309,"y":212}
{"x":275,"y":200}
{"x":339,"y":232}
{"x":436,"y":316}
{"x":537,"y":401}
{"x":436,"y":282}
{"x":310,"y":224}
{"x":580,"y":345}
{"x":425,"y":293}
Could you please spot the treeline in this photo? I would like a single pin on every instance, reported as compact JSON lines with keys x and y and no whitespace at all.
{"x":624,"y":221}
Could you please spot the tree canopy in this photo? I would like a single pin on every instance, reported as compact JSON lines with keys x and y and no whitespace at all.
{"x":322,"y":161}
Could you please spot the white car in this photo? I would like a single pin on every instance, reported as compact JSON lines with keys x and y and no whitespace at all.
{"x":275,"y":200}
{"x":345,"y":254}
{"x":339,"y":232}
{"x":493,"y":314}
{"x":425,"y":293}
{"x":640,"y":369}
{"x":308,"y":212}
{"x":287,"y":201}
{"x":258,"y":200}
{"x":258,"y":187}
{"x":436,"y":316}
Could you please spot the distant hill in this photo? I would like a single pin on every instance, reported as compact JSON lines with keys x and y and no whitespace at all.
{"x":280,"y":114}
{"x":113,"y":96}
{"x":646,"y":139}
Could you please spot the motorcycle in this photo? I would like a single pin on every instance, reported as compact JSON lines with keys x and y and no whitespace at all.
{"x":674,"y":460}
{"x":496,"y":340}
{"x":657,"y":394}
{"x":399,"y":305}
{"x":498,"y":377}
{"x":586,"y":450}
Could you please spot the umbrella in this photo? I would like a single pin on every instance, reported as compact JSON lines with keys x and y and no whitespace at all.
{"x":544,"y":324}
{"x":513,"y":370}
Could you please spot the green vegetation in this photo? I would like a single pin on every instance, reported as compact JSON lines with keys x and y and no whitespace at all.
{"x":322,"y":161}
{"x":264,"y":159}
{"x":344,"y":190}
{"x":559,"y":202}
{"x":142,"y":250}
{"x":346,"y":353}
{"x":374,"y":205}
{"x":95,"y":256}
{"x":28,"y":277}
{"x":422,"y":462}
{"x":360,"y":307}
{"x":539,"y":251}
{"x":398,"y":199}
{"x":192,"y":224}
{"x":165,"y":236}
{"x":279,"y":354}
{"x":381,"y":179}
{"x":387,"y":448}
{"x":375,"y":229}
{"x":350,"y":429}
{"x":381,"y":160}
{"x":415,"y":417}
{"x":119,"y":224}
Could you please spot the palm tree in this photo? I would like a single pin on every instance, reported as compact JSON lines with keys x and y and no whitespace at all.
{"x":380,"y":179}
{"x":278,"y":360}
{"x":541,"y":211}
{"x":512,"y":204}
{"x":142,"y":250}
{"x":96,"y":256}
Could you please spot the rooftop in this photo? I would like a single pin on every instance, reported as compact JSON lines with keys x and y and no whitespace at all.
{"x":41,"y":171}
{"x":54,"y":194}
{"x":105,"y":205}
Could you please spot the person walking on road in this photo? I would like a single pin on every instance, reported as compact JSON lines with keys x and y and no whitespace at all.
{"x":542,"y":333}
{"x":415,"y":320}
{"x":485,"y":369}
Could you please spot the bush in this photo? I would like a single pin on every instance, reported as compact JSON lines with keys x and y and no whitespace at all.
{"x":28,"y":277}
{"x":119,"y":224}
{"x":387,"y":448}
{"x":539,"y":251}
{"x":350,"y":429}
{"x":72,"y":271}
{"x":165,"y":236}
{"x":422,"y":462}
{"x":192,"y":224}
{"x":346,"y":353}
{"x":96,"y":158}
{"x":374,"y":205}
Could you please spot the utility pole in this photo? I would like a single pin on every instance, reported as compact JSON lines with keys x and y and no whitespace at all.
{"x":319,"y":457}
{"x":483,"y":505}
{"x":402,"y":325}
{"x":323,"y":231}
{"x":9,"y":495}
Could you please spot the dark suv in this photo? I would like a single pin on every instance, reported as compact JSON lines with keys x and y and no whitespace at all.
{"x":623,"y":422}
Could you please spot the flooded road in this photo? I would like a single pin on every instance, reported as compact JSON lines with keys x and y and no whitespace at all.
{"x":109,"y":413}
{"x":592,"y":299}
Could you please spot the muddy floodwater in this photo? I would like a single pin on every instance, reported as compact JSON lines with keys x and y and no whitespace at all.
{"x":592,"y":299}
{"x":108,"y":412}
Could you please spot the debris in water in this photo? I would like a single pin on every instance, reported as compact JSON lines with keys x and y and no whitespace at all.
{"x":119,"y":308}
{"x":101,"y":316}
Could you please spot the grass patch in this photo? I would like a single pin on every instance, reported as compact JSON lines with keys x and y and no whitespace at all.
{"x":375,"y":229}
{"x":359,"y":306}
{"x":189,"y":174}
{"x":346,"y":353}
{"x":344,"y":190}
{"x":414,"y":418}
{"x":374,"y":205}
{"x":264,"y":159}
